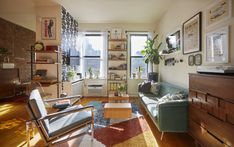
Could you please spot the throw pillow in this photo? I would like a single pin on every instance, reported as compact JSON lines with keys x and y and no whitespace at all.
{"x":145,"y":87}
{"x":164,"y":99}
{"x":155,"y":87}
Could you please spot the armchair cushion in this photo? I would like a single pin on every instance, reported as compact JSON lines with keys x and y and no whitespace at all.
{"x":63,"y":123}
{"x":38,"y":107}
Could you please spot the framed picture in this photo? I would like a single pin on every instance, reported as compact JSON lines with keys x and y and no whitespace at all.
{"x":217,"y":46}
{"x":192,"y":34}
{"x":173,"y":41}
{"x":48,"y":28}
{"x":198,"y":59}
{"x":191,"y":60}
{"x":217,"y":11}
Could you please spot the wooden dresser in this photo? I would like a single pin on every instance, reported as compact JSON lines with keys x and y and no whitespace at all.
{"x":211,"y":109}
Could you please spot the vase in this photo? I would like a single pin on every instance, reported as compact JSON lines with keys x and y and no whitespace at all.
{"x":138,"y":75}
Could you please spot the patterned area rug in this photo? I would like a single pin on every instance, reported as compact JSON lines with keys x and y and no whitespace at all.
{"x":122,"y":132}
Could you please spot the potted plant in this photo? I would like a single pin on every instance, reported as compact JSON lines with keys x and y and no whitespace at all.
{"x":151,"y":54}
{"x":70,"y":74}
{"x":121,"y":89}
{"x":139,"y":72}
{"x":90,"y":72}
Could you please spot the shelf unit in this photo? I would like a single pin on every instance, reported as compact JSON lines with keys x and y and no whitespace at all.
{"x":53,"y":57}
{"x":117,"y":64}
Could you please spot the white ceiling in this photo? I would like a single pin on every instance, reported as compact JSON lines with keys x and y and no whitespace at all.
{"x":22,"y":12}
{"x":116,"y":11}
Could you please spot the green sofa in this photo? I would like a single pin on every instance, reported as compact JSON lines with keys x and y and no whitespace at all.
{"x":168,"y":116}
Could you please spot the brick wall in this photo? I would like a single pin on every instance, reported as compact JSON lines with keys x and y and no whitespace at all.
{"x":17,"y":40}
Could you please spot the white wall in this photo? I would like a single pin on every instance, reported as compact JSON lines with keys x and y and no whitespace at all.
{"x":19,"y":12}
{"x":50,"y":11}
{"x":179,"y":12}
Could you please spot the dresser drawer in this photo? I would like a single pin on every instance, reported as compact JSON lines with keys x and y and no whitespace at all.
{"x":216,"y":85}
{"x":204,"y":137}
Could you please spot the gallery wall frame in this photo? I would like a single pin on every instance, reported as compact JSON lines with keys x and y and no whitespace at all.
{"x":48,"y":28}
{"x":217,"y":46}
{"x":192,"y":34}
{"x":191,"y":59}
{"x":218,"y":11}
{"x":174,"y":40}
{"x":198,"y":59}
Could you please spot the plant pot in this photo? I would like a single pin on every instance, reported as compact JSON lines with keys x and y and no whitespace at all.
{"x":138,"y":75}
{"x":153,"y":76}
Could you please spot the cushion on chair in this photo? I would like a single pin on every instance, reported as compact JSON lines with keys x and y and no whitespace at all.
{"x":37,"y":106}
{"x":67,"y":122}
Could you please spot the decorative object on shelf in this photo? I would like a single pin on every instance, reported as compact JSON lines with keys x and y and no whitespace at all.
{"x":70,"y":74}
{"x":134,"y":75}
{"x":116,"y":33}
{"x":173,"y":42}
{"x":192,"y":34}
{"x":198,"y":59}
{"x":121,"y":89}
{"x":217,"y":46}
{"x":51,"y":48}
{"x":48,"y":28}
{"x":191,"y":60}
{"x":218,"y":11}
{"x":3,"y":50}
{"x":90,"y":72}
{"x":38,"y":46}
{"x":170,"y":62}
{"x":139,"y":72}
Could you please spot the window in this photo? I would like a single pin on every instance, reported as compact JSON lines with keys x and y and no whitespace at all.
{"x":137,"y":43}
{"x":92,"y":50}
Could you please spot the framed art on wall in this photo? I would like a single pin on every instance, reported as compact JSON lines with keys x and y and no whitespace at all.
{"x":217,"y":46}
{"x":198,"y":59}
{"x":173,"y":41}
{"x":48,"y":28}
{"x":192,"y":34}
{"x":217,"y":11}
{"x":191,"y":60}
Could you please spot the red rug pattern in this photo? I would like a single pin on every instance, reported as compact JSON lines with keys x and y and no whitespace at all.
{"x":121,"y":132}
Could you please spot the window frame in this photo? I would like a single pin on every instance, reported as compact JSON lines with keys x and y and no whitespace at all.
{"x":130,"y":54}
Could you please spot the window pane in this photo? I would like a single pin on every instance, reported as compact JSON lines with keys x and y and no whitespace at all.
{"x":137,"y":44}
{"x":92,"y":45}
{"x":94,"y":64}
{"x":135,"y":63}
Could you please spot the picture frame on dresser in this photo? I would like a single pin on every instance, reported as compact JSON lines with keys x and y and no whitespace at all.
{"x":192,"y":34}
{"x":218,"y":11}
{"x":48,"y":28}
{"x":217,"y":46}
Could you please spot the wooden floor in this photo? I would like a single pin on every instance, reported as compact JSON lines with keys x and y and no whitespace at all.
{"x":13,"y":116}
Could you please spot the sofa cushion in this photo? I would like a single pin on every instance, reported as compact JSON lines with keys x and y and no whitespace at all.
{"x":148,"y":100}
{"x":145,"y":87}
{"x":166,"y":88}
{"x":152,"y":108}
{"x":155,"y":87}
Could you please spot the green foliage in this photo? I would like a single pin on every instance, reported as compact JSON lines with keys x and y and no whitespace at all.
{"x":3,"y":50}
{"x":139,"y":69}
{"x":122,"y":88}
{"x":151,"y":53}
{"x":71,"y":73}
{"x":90,"y":70}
